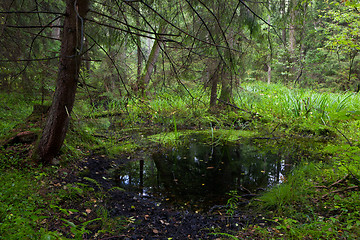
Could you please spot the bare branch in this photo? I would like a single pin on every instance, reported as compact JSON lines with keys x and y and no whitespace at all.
{"x":136,"y":28}
{"x":34,"y":26}
{"x":127,"y":31}
{"x":29,"y":60}
{"x":31,"y":12}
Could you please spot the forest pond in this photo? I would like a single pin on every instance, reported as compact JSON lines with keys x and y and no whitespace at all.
{"x":200,"y":175}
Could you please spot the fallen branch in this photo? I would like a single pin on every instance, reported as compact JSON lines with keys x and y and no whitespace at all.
{"x":234,"y":106}
{"x":339,"y":181}
{"x":266,"y":138}
{"x":104,"y":115}
{"x":26,"y":137}
{"x":340,"y":190}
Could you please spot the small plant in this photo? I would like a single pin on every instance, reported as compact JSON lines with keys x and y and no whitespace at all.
{"x":232,"y":202}
{"x":79,"y":231}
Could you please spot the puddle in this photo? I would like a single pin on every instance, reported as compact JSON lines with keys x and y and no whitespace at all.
{"x":201,"y":175}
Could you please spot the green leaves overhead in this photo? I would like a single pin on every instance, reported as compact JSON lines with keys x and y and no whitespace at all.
{"x":342,"y":25}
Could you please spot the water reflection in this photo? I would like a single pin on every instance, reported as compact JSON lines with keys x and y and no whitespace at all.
{"x":204,"y":173}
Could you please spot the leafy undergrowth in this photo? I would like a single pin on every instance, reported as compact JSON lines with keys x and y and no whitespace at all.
{"x":319,"y":199}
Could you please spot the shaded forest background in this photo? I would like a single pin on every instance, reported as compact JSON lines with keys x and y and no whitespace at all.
{"x":87,"y":87}
{"x":134,"y":49}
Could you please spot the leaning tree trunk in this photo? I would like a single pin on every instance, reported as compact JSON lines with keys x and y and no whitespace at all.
{"x":150,"y":64}
{"x":71,"y":45}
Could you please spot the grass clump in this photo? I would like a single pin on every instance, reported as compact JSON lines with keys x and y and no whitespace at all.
{"x":315,"y":201}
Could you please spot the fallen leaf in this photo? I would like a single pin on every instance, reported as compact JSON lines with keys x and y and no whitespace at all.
{"x":155,"y":231}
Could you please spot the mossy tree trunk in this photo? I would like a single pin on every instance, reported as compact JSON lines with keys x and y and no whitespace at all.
{"x":70,"y":59}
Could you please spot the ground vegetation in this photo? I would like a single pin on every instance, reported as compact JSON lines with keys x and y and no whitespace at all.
{"x":87,"y":87}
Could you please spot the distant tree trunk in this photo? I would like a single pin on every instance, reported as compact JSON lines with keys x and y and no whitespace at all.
{"x":150,"y":64}
{"x":70,"y":59}
{"x":283,"y":13}
{"x":269,"y":73}
{"x":226,"y":88}
{"x":292,"y":39}
{"x":270,"y":53}
{"x":214,"y":79}
{"x":138,"y":43}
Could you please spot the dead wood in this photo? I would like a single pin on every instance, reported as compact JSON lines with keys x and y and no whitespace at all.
{"x":340,"y":190}
{"x":21,"y":138}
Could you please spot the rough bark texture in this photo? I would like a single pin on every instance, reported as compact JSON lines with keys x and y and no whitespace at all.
{"x":57,"y":123}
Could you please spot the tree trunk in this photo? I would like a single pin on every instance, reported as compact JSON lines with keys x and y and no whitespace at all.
{"x":292,"y":39}
{"x":269,"y":73}
{"x":270,"y":53}
{"x":70,"y":59}
{"x":150,"y":64}
{"x":283,"y":13}
{"x":214,"y":79}
{"x":138,"y":43}
{"x":226,"y":88}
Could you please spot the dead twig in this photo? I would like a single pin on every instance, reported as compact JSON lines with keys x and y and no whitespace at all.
{"x":339,"y":181}
{"x":340,"y":190}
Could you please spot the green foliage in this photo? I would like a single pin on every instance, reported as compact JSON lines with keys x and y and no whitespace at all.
{"x":306,"y":205}
{"x":343,"y":28}
{"x":21,"y":207}
{"x":232,"y":202}
{"x":296,"y":189}
{"x":11,"y":158}
{"x":276,"y":101}
{"x":79,"y":230}
{"x":13,"y":110}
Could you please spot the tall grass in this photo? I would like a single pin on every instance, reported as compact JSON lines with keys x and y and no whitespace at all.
{"x":278,"y":101}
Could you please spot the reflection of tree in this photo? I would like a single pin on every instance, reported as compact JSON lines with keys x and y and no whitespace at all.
{"x":202,"y":170}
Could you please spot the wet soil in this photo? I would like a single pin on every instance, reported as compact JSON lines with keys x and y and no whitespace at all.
{"x":151,"y":218}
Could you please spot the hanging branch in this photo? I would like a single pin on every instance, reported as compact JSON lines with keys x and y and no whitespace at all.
{"x":130,"y":26}
{"x":29,"y":60}
{"x":113,"y":62}
{"x":223,"y":34}
{"x":179,"y":29}
{"x":127,"y":31}
{"x":163,"y":50}
{"x":32,"y":44}
{"x":207,"y":28}
{"x":32,"y":12}
{"x":34,"y":26}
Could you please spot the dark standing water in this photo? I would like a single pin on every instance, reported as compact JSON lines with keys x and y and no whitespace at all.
{"x":200,"y":175}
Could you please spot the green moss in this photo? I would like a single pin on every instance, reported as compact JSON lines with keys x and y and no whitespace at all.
{"x":124,"y":147}
{"x":174,"y":138}
{"x":233,"y":135}
{"x":168,"y":138}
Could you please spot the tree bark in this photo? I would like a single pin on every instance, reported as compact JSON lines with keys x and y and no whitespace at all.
{"x":214,"y":79}
{"x":150,"y":64}
{"x":292,"y":39}
{"x":138,"y":43}
{"x":70,"y":59}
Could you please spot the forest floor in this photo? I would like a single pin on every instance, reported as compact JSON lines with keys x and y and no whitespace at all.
{"x":79,"y":198}
{"x":146,"y":217}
